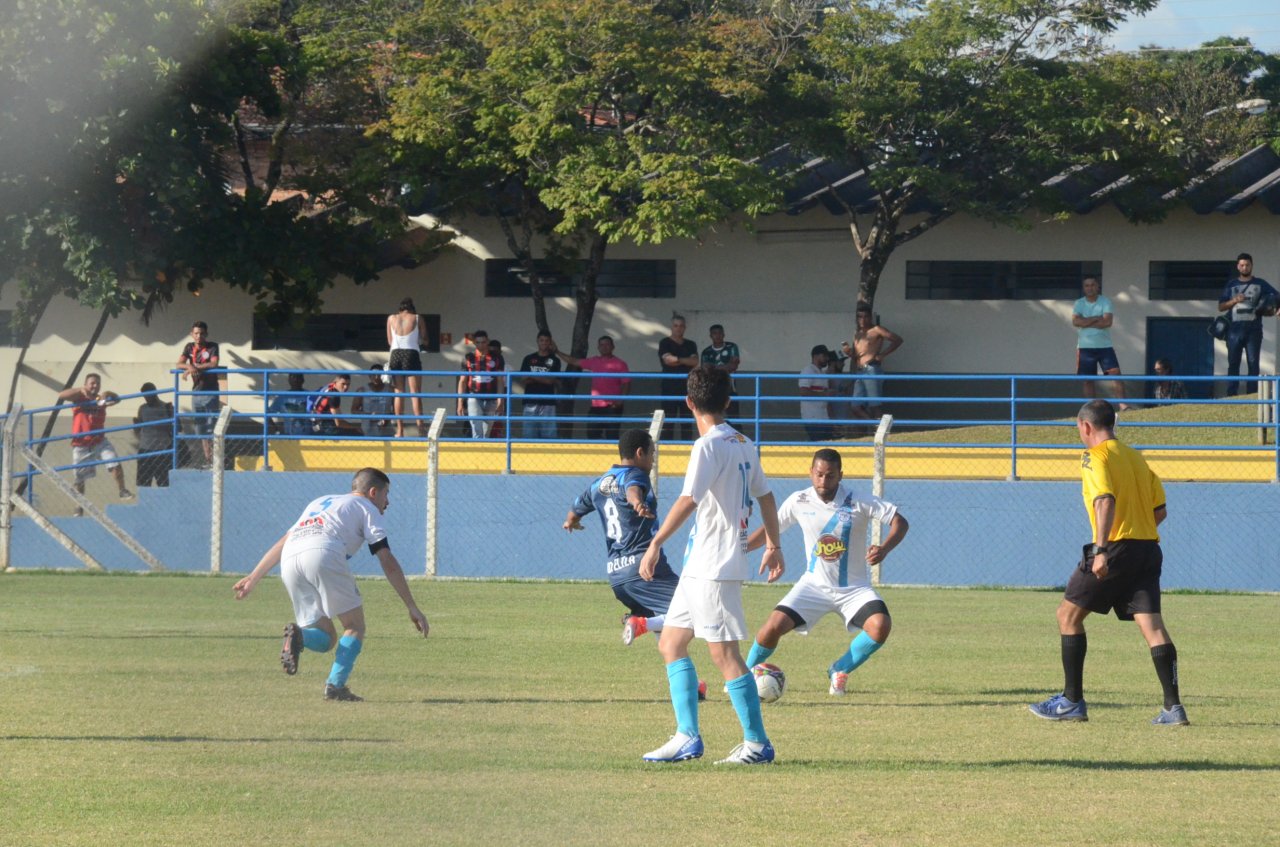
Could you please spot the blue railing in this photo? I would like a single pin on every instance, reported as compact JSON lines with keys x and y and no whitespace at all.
{"x":768,"y":404}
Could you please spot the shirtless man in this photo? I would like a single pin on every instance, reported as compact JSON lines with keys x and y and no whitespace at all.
{"x":871,"y":345}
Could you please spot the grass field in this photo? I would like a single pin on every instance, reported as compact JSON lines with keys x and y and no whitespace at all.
{"x":152,"y":711}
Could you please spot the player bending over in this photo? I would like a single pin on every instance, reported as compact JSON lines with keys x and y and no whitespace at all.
{"x":833,"y":522}
{"x":628,"y":512}
{"x":313,"y":566}
{"x":723,"y":476}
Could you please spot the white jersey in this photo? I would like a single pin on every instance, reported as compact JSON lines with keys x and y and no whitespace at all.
{"x":724,"y":475}
{"x":339,"y":522}
{"x":832,"y":531}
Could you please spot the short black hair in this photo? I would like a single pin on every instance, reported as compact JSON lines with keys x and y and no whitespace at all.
{"x":1100,"y":413}
{"x":1244,"y":256}
{"x":1164,"y":363}
{"x":544,"y":335}
{"x":147,"y":387}
{"x":714,"y":327}
{"x":633,"y":440}
{"x":200,"y":325}
{"x":406,"y":305}
{"x":367,"y":478}
{"x":863,"y":307}
{"x":709,"y":389}
{"x":608,"y":338}
{"x":826,"y":454}
{"x":478,"y":333}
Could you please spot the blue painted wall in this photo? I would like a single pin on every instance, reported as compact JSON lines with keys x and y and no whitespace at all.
{"x":1218,"y":536}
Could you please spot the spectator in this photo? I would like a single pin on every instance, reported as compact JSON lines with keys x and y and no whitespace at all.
{"x":1248,"y":298}
{"x":499,"y":428}
{"x":1092,"y":317}
{"x":479,"y":389}
{"x":155,"y":435}
{"x":293,"y":403}
{"x":606,"y":392}
{"x":872,"y":344}
{"x":327,"y":404}
{"x":406,"y":330}
{"x":88,"y":443}
{"x":1168,"y":388}
{"x":542,"y":361}
{"x":813,"y":383}
{"x":677,"y":355}
{"x":200,"y":357}
{"x":377,"y":404}
{"x":725,"y":356}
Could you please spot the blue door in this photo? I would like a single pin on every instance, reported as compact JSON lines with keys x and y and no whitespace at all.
{"x":1186,"y":343}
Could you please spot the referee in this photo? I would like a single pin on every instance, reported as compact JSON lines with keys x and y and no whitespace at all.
{"x":1120,"y":570}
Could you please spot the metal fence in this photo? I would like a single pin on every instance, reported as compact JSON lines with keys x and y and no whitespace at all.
{"x":970,"y":456}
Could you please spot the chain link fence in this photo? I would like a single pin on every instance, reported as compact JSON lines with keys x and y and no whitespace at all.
{"x":988,"y":480}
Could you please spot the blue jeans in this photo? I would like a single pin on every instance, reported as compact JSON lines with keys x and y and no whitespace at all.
{"x":536,"y":428}
{"x":1243,"y":337}
{"x":872,"y":389}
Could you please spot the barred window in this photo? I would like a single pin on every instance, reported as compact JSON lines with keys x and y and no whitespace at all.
{"x":337,"y":332}
{"x":989,"y":280}
{"x":1199,"y":280}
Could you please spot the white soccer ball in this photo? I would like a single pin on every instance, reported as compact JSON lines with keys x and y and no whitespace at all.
{"x":771,"y":682}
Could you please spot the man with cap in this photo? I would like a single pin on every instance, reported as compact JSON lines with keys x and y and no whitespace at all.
{"x":814,"y":384}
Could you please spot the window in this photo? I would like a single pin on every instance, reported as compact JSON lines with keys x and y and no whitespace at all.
{"x":618,"y":278}
{"x":998,"y":280}
{"x":360,"y":333}
{"x":1202,"y":280}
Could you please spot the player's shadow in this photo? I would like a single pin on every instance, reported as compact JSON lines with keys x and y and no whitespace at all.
{"x":898,"y":765}
{"x":185,"y":739}
{"x":546,"y":701}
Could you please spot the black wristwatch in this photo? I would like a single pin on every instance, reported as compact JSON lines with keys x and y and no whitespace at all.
{"x":1097,"y":550}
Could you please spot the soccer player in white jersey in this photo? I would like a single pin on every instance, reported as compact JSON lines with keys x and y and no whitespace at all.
{"x":313,"y":558}
{"x":834,"y":523}
{"x":723,"y":476}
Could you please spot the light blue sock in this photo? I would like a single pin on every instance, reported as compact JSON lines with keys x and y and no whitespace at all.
{"x":860,"y":649}
{"x":344,"y":658}
{"x":683,"y":680}
{"x":746,"y":702}
{"x":316,"y":639}
{"x":758,"y":653}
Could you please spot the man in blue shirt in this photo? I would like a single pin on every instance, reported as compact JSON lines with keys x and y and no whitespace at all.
{"x":628,"y":512}
{"x":1248,"y":298}
{"x":1092,"y":317}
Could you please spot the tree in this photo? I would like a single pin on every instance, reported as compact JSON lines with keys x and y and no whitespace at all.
{"x":969,"y":106}
{"x":122,"y":140}
{"x":579,"y":123}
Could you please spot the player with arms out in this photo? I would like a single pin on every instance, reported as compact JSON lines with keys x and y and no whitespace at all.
{"x":722,"y":478}
{"x":1120,"y":570}
{"x":313,"y":566}
{"x":834,"y":521}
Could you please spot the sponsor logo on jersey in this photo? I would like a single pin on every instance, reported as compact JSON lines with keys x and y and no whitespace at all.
{"x":829,"y":548}
{"x":318,"y":521}
{"x":1084,"y":460}
{"x":844,"y":516}
{"x":608,"y":485}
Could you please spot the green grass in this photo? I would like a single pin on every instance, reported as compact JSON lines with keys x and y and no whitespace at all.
{"x":1217,"y":425}
{"x":152,"y":711}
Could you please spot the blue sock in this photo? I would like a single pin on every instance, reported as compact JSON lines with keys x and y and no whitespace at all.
{"x":344,"y":658}
{"x":758,"y":654}
{"x":316,"y":639}
{"x":683,"y":680}
{"x":860,"y":649}
{"x":746,"y":702}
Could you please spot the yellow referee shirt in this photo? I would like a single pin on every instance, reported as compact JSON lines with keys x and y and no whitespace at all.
{"x":1119,"y":470}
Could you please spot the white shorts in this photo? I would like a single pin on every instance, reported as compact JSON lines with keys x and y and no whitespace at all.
{"x":812,"y":602}
{"x":712,"y":608}
{"x":100,"y":451}
{"x":320,"y":585}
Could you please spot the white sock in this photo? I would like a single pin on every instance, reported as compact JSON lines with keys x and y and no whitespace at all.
{"x":655,"y":623}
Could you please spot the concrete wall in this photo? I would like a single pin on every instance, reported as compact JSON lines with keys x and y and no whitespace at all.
{"x":779,"y":288}
{"x":1218,"y":536}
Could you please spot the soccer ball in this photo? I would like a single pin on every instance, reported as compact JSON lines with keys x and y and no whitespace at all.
{"x":770,"y":681}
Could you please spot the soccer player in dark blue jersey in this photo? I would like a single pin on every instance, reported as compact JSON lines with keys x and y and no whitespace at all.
{"x":628,"y":510}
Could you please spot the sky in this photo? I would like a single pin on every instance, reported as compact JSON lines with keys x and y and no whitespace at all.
{"x":1186,"y":24}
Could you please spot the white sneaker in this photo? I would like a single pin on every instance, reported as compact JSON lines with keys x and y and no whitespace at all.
{"x":749,"y":753}
{"x":838,"y":683}
{"x":679,"y":748}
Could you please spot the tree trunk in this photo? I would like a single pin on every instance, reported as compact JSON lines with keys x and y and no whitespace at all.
{"x":586,"y":296}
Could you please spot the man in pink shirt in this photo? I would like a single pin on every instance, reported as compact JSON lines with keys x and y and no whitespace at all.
{"x":606,"y":391}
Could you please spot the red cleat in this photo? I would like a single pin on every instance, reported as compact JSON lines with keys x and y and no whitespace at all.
{"x":633,"y":627}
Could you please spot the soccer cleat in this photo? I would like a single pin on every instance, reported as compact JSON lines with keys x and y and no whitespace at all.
{"x":633,"y":626}
{"x":341,"y":692}
{"x":1173,"y":716}
{"x":749,"y":753}
{"x":679,"y":748}
{"x":1059,"y":708}
{"x":838,"y":682}
{"x":292,"y":648}
{"x":702,"y":690}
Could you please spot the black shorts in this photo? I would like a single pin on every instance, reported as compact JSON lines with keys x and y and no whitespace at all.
{"x":405,"y":360}
{"x":1132,"y":585}
{"x":647,"y":599}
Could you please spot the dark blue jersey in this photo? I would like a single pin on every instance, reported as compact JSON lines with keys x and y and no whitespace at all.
{"x":627,"y":535}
